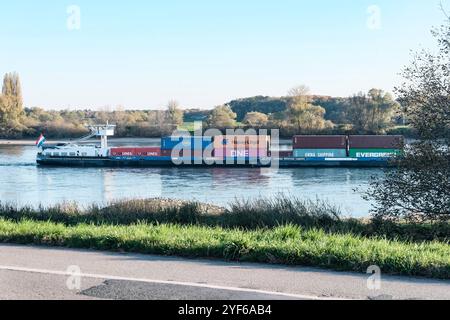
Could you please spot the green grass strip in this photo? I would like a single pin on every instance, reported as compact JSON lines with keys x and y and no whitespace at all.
{"x":289,"y":245}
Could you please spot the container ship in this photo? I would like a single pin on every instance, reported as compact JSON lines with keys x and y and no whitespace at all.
{"x":224,"y":151}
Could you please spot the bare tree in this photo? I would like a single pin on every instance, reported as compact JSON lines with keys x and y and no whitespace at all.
{"x":300,"y":92}
{"x":174,"y":114}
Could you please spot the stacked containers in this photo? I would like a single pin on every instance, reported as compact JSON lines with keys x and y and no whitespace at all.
{"x":320,"y":147}
{"x":135,"y":152}
{"x":179,"y":146}
{"x":241,"y":146}
{"x":148,"y":152}
{"x":373,"y":147}
{"x":123,"y":152}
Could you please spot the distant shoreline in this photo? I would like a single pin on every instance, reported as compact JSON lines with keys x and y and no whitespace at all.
{"x":16,"y":142}
{"x":113,"y":141}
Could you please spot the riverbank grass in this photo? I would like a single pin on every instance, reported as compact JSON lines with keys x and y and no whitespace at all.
{"x":289,"y":245}
{"x":259,"y":213}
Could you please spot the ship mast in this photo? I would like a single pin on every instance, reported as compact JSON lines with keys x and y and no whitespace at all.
{"x":103,"y":131}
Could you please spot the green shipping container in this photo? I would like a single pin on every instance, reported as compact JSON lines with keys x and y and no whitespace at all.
{"x":320,"y":153}
{"x":373,"y":153}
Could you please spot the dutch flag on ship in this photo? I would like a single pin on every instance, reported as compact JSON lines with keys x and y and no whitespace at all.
{"x":40,"y":142}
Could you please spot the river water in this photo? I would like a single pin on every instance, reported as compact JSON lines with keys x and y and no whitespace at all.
{"x":24,"y":183}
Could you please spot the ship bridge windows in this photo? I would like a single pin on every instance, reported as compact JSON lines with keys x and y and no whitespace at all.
{"x":72,"y":154}
{"x":55,"y":154}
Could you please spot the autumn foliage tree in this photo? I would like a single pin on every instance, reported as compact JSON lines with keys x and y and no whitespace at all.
{"x":372,"y":112}
{"x":418,"y":188}
{"x":256,"y":119}
{"x":302,"y":114}
{"x":222,"y":117}
{"x":11,"y":104}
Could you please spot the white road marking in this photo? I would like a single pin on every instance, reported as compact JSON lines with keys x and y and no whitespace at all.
{"x":186,"y":284}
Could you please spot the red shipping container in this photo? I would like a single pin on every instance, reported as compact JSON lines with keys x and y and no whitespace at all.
{"x":123,"y":152}
{"x":181,"y":153}
{"x":376,"y":142}
{"x":148,"y":152}
{"x":320,"y":142}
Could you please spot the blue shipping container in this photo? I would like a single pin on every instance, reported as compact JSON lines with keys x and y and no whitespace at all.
{"x":320,"y":153}
{"x":193,"y":143}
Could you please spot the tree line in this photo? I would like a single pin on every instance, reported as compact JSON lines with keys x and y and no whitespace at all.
{"x":299,"y":112}
{"x":374,"y":112}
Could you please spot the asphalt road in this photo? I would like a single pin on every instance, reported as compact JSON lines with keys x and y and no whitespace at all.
{"x":47,"y":273}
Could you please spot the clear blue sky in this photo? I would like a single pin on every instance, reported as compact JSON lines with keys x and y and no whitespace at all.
{"x":140,"y":54}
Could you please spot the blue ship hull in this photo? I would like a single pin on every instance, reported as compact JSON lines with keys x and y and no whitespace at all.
{"x":248,"y":163}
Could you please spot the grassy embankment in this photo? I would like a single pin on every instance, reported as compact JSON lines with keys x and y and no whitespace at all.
{"x":283,"y":231}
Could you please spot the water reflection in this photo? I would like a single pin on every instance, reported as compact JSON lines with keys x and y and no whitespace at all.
{"x":239,"y":176}
{"x":21,"y":181}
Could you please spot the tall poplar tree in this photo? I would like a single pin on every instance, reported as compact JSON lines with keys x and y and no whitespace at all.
{"x":11,"y":102}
